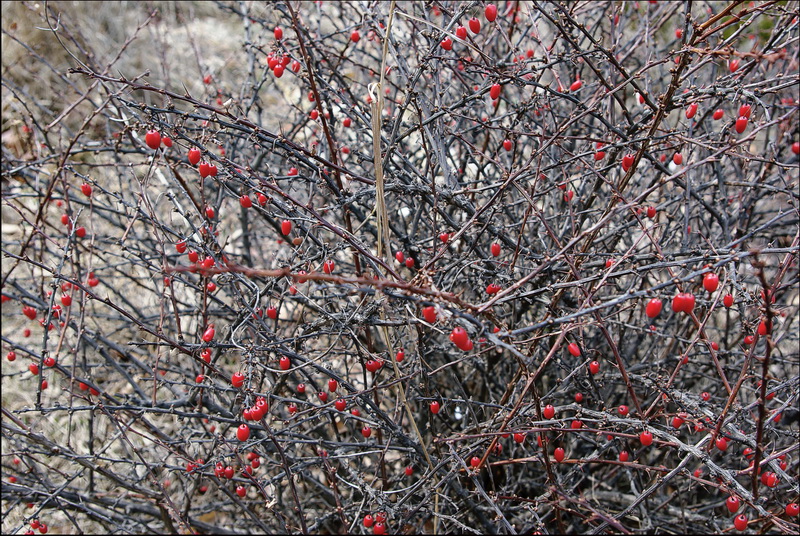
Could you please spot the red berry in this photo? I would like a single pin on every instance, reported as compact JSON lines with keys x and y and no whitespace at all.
{"x":576,"y":424}
{"x":194,"y":156}
{"x":677,"y":422}
{"x":167,"y":142}
{"x":653,"y":308}
{"x":286,"y":227}
{"x":277,"y":72}
{"x":204,"y":168}
{"x":764,"y":328}
{"x":340,"y":404}
{"x":574,"y":349}
{"x":733,"y":65}
{"x":623,"y":410}
{"x":328,"y":266}
{"x":741,"y":124}
{"x":705,"y":396}
{"x":461,"y":32}
{"x":559,"y":454}
{"x":241,"y":491}
{"x":646,"y":438}
{"x":727,"y":300}
{"x":718,"y":113}
{"x":578,"y":397}
{"x":792,"y":509}
{"x":323,"y":396}
{"x":507,"y":145}
{"x":691,"y":111}
{"x":435,"y":407}
{"x":475,"y":25}
{"x":740,"y":522}
{"x":368,"y":520}
{"x":366,"y":431}
{"x":409,"y":262}
{"x":733,"y":504}
{"x":153,"y":139}
{"x":678,"y":33}
{"x":285,"y":363}
{"x":594,"y":367}
{"x":722,"y":443}
{"x":623,"y":456}
{"x":677,"y":159}
{"x":379,"y":529}
{"x":429,"y":313}
{"x":86,"y":189}
{"x":278,"y":33}
{"x":245,"y":201}
{"x":627,"y":161}
{"x":243,"y":432}
{"x":710,"y":282}
{"x":490,"y":12}
{"x":494,"y":91}
{"x":549,"y":411}
{"x":272,"y":312}
{"x":237,"y":379}
{"x":496,"y":249}
{"x":745,"y":110}
{"x":208,"y":334}
{"x":409,"y":470}
{"x":460,"y":338}
{"x":576,"y":85}
{"x":795,"y":150}
{"x":444,"y":237}
{"x":492,"y":288}
{"x":475,"y":461}
{"x":400,"y":355}
{"x":447,"y":43}
{"x":651,"y":212}
{"x":210,"y":212}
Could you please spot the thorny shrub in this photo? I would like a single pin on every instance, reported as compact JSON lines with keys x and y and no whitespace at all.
{"x":390,"y":268}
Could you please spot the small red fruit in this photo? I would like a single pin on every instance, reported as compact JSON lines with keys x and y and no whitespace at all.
{"x":623,"y":410}
{"x":323,"y":396}
{"x":208,"y":334}
{"x":243,"y":432}
{"x":653,"y":308}
{"x":285,"y":363}
{"x":792,"y":509}
{"x":627,"y":161}
{"x":576,"y":85}
{"x":727,"y":300}
{"x":710,"y":282}
{"x":153,"y":139}
{"x":237,"y":379}
{"x":194,"y":156}
{"x":721,"y":443}
{"x":494,"y":91}
{"x":86,"y":189}
{"x":496,"y":249}
{"x":167,"y":142}
{"x":461,"y":32}
{"x":507,"y":145}
{"x":475,"y":461}
{"x":741,"y":124}
{"x":623,"y":456}
{"x":475,"y":25}
{"x":366,"y":431}
{"x":646,"y":438}
{"x":435,"y":407}
{"x":559,"y":454}
{"x":740,"y":522}
{"x":718,"y":113}
{"x":490,"y":12}
{"x":429,"y":314}
{"x":368,"y":520}
{"x":355,"y":36}
{"x":594,"y":367}
{"x":733,"y":504}
{"x":278,"y":33}
{"x":328,"y":266}
{"x":400,"y":355}
{"x":286,"y":227}
{"x":447,"y":43}
{"x":549,"y":411}
{"x":691,"y":111}
{"x":574,"y":349}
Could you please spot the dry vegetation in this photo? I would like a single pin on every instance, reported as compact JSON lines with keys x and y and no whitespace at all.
{"x":108,"y":445}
